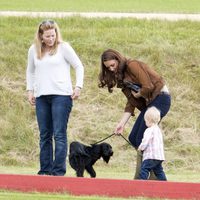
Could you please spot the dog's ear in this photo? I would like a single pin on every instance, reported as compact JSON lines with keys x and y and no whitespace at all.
{"x":106,"y":152}
{"x":106,"y":158}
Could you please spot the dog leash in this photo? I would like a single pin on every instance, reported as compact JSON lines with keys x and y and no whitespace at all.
{"x":111,"y":136}
{"x":126,"y":140}
{"x":103,"y":139}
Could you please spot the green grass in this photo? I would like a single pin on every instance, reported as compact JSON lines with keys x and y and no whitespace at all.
{"x":5,"y":195}
{"x":169,"y":47}
{"x":172,"y":48}
{"x":170,"y":6}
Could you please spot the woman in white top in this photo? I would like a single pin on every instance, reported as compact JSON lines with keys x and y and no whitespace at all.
{"x":50,"y":89}
{"x":152,"y":146}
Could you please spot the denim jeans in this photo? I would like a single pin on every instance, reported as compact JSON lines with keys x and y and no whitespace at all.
{"x":161,"y":102}
{"x":52,"y":115}
{"x":156,"y":166}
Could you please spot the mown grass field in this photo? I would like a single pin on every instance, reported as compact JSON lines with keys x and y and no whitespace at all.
{"x":170,"y":6}
{"x":169,"y":47}
{"x":4,"y":195}
{"x":172,"y":48}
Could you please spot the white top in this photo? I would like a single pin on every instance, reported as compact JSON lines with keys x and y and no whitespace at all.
{"x":152,"y":144}
{"x":51,"y":74}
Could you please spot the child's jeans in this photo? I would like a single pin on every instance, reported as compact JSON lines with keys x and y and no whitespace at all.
{"x":155,"y":166}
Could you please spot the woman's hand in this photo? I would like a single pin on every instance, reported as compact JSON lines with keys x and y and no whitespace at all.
{"x":119,"y":129}
{"x":31,"y":98}
{"x":120,"y":126}
{"x":76,"y":93}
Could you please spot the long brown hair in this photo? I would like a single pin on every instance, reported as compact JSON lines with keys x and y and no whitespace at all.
{"x":108,"y":78}
{"x":44,"y":26}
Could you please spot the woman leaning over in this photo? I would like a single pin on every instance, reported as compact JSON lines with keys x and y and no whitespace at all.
{"x":117,"y":70}
{"x":50,"y":89}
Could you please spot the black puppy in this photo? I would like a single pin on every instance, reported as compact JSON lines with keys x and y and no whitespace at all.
{"x":82,"y":157}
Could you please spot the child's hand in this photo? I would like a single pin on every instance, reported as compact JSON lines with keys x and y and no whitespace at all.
{"x":140,"y":152}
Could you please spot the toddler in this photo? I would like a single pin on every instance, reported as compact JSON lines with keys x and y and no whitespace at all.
{"x":152,"y":146}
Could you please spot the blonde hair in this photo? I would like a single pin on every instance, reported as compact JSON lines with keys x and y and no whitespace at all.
{"x":152,"y":115}
{"x":40,"y":47}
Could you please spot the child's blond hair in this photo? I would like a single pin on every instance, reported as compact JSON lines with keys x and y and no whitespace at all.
{"x":152,"y":115}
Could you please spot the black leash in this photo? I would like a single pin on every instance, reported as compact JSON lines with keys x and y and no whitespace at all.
{"x":126,"y":140}
{"x":103,"y":139}
{"x":111,"y":136}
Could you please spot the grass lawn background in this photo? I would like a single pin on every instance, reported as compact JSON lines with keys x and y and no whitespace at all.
{"x":170,"y":47}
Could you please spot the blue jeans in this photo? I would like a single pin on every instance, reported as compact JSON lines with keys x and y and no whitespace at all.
{"x":161,"y":102}
{"x":52,"y":115}
{"x":156,"y":166}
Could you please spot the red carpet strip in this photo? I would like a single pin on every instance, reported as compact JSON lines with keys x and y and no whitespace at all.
{"x":100,"y":187}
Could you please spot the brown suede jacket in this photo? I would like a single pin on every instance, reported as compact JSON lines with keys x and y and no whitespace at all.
{"x":151,"y":84}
